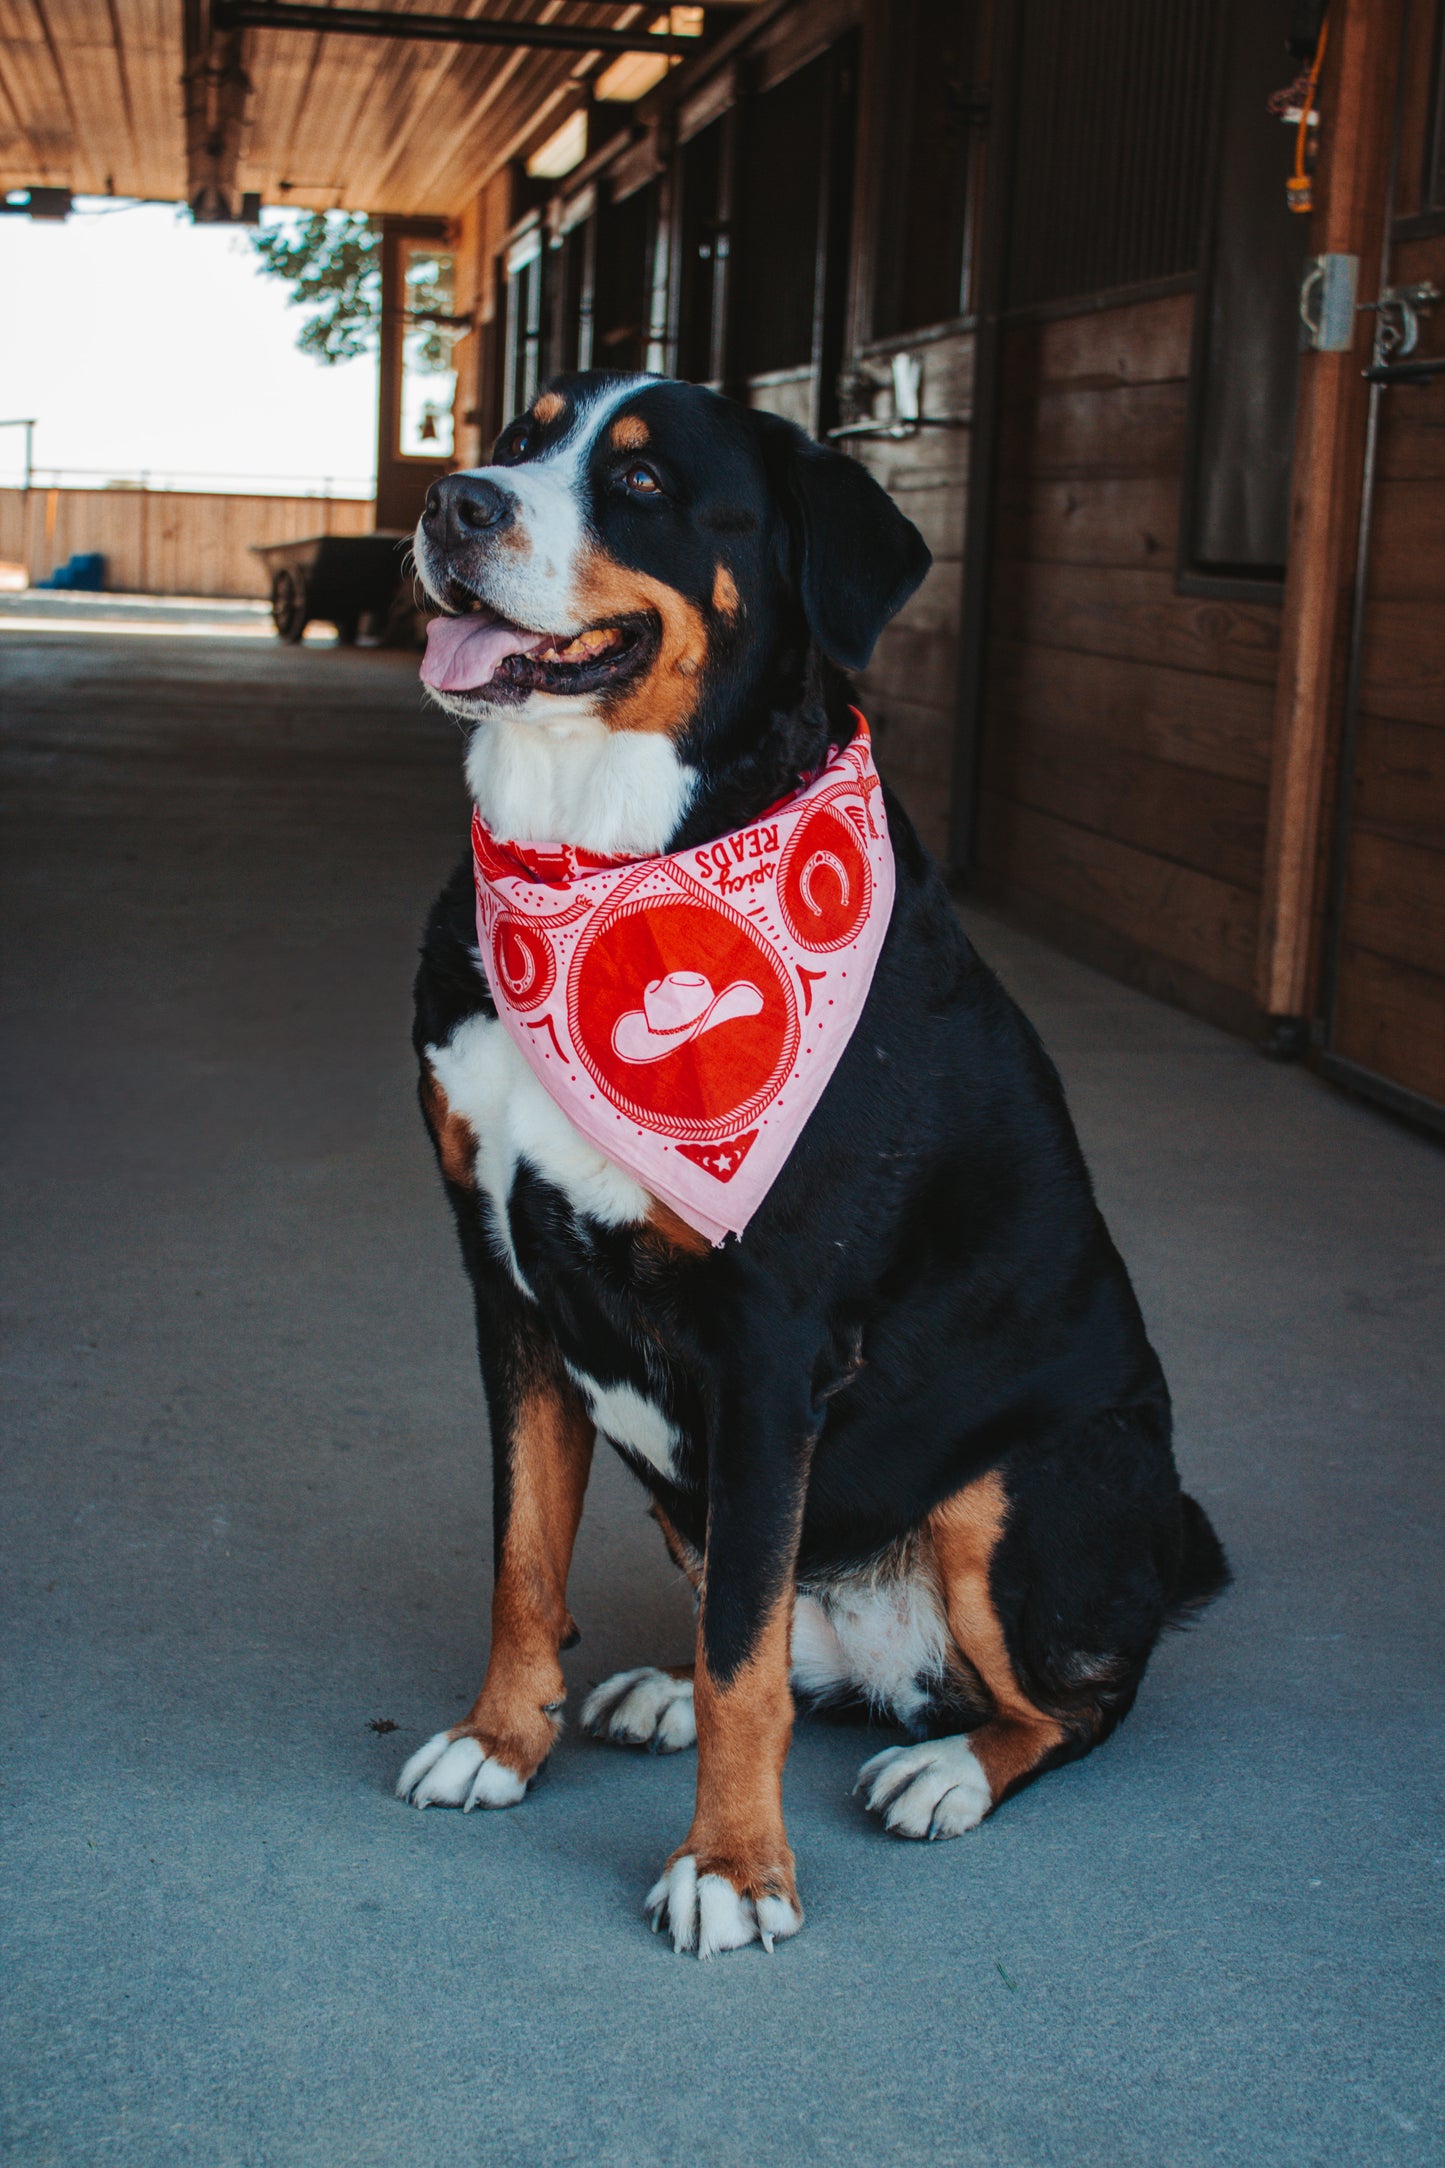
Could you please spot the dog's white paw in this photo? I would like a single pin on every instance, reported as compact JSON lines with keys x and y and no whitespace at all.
{"x":449,"y":1772}
{"x":705,"y":1912}
{"x":937,"y":1789}
{"x":647,"y":1707}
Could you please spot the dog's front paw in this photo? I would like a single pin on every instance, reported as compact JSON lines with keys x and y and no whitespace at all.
{"x":647,"y":1708}
{"x":708,"y":1911}
{"x":937,"y":1789}
{"x":451,"y":1771}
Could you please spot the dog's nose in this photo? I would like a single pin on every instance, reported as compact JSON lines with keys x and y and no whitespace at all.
{"x":464,"y":507}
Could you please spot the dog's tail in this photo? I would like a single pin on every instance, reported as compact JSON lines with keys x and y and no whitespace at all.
{"x":1203,"y":1568}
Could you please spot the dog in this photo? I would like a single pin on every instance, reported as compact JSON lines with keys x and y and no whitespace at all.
{"x":904,"y":1433}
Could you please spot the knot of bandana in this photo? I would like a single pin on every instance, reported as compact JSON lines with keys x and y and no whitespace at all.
{"x":686,"y":1011}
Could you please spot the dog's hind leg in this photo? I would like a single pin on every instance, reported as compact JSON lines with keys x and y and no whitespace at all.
{"x":542,"y":1438}
{"x":941,"y":1787}
{"x":1057,"y":1573}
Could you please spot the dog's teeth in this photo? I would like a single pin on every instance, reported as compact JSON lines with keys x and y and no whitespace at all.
{"x":587,"y":645}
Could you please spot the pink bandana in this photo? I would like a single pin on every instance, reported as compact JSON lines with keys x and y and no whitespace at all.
{"x":685,"y":1012}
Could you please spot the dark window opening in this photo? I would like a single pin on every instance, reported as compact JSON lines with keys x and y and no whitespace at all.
{"x":780,"y":184}
{"x":1247,"y":342}
{"x":702,"y":253}
{"x":573,"y":274}
{"x":522,"y":347}
{"x":1433,"y":192}
{"x":1112,"y":132}
{"x":928,"y":139}
{"x":622,"y":303}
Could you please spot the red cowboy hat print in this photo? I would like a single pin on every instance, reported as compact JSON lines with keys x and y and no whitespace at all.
{"x":678,"y":1009}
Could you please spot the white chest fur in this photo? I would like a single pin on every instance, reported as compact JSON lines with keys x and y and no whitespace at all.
{"x":515,"y":1121}
{"x":567,"y":778}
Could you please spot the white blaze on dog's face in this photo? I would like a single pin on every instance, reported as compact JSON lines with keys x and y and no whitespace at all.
{"x":626,"y":589}
{"x":579,"y":664}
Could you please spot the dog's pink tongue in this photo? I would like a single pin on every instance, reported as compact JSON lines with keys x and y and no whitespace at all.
{"x":465,"y":652}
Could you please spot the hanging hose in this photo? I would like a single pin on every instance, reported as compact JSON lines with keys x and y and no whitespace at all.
{"x":1299,"y":187}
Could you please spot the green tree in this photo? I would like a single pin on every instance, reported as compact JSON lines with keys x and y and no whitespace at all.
{"x":332,"y":262}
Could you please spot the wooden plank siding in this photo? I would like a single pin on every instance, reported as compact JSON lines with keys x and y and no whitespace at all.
{"x":163,"y":542}
{"x":1390,"y":993}
{"x":1126,"y":727}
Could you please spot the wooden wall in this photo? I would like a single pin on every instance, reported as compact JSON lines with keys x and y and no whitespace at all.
{"x":1390,"y":997}
{"x":909,"y":691}
{"x":164,"y":542}
{"x":1127,"y":727}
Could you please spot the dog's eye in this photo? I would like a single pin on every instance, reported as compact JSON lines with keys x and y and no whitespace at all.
{"x":642,"y":481}
{"x":520,"y":445}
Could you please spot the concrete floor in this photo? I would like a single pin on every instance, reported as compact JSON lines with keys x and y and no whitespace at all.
{"x":245,"y":1511}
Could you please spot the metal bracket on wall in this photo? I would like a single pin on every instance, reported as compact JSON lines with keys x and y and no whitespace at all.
{"x":1327,"y":302}
{"x":905,"y":381}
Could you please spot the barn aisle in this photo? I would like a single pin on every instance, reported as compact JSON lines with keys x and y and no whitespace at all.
{"x":245,"y":1512}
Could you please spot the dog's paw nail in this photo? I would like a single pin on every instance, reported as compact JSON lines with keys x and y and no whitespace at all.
{"x":449,"y":1772}
{"x":933,"y":1790}
{"x":646,"y":1707}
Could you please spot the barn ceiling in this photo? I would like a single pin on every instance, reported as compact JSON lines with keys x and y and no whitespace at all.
{"x":153,"y":98}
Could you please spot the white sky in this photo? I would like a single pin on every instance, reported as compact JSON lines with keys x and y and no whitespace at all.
{"x":142,"y":343}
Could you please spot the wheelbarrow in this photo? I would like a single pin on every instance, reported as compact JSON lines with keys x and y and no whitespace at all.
{"x":341,"y":578}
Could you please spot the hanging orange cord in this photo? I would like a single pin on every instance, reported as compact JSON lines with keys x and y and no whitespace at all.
{"x":1298,"y":187}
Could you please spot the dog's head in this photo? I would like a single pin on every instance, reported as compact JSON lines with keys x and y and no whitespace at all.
{"x":646,"y":558}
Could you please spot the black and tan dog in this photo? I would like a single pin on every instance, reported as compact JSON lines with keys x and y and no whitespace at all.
{"x":906,"y":1436}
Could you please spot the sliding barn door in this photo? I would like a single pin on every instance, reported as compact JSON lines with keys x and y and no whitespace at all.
{"x":1385,"y":1010}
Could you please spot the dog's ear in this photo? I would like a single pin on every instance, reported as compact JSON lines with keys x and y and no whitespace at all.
{"x":860,"y":558}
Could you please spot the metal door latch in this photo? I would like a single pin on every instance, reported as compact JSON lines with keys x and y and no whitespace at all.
{"x":1400,"y":308}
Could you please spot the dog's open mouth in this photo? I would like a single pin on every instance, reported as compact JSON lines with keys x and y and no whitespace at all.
{"x":482,"y":654}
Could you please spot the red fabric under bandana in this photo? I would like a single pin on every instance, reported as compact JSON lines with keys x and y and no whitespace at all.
{"x":685,"y":1012}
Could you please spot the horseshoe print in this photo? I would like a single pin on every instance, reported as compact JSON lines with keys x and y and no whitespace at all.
{"x":835,"y":865}
{"x":824,"y":885}
{"x":522,"y":961}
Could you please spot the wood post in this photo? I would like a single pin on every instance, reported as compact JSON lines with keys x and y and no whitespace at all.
{"x":1357,"y":103}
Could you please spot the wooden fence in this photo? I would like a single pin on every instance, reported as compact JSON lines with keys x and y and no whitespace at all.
{"x":166,"y":542}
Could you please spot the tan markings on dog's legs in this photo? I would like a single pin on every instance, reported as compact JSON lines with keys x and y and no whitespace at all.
{"x":725,"y":592}
{"x":455,"y":1141}
{"x":965,"y":1530}
{"x":550,"y":1454}
{"x":630,"y":432}
{"x":680,"y":1551}
{"x":744,"y":1727}
{"x":665,"y":697}
{"x":548,"y":407}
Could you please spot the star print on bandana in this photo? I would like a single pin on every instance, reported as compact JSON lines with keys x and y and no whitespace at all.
{"x":686,"y":1011}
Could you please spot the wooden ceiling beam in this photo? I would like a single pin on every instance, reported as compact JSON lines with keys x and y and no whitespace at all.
{"x":217,"y":90}
{"x":386,"y":23}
